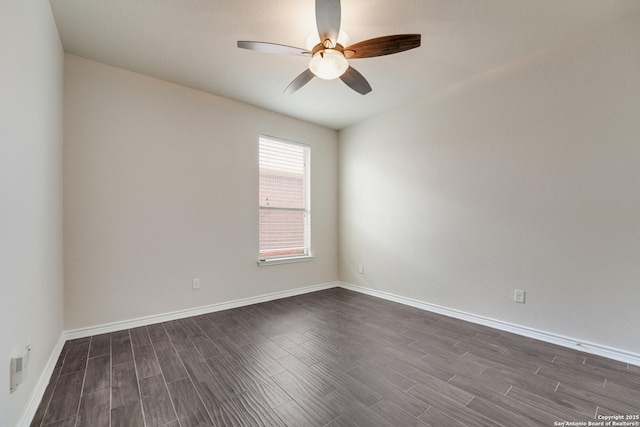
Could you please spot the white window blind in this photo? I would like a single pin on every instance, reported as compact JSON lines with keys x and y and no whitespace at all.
{"x":284,"y":199}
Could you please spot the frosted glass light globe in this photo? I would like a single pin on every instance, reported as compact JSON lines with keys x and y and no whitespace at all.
{"x":328,"y":64}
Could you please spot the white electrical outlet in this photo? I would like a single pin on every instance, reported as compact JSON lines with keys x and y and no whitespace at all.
{"x":361,"y":269}
{"x":518,"y":296}
{"x":195,"y":283}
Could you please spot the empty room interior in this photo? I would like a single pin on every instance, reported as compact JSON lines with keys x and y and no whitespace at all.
{"x":319,"y":213}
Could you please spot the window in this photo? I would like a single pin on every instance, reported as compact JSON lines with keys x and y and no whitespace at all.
{"x":284,"y":201}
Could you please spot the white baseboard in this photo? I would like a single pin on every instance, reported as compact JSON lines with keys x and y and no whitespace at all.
{"x":42,"y":384}
{"x":587,"y":347}
{"x":43,"y":381}
{"x":181,"y":314}
{"x":144,"y":321}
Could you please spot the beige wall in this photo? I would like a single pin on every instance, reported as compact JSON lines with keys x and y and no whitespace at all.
{"x":527,"y":177}
{"x":31,"y":64}
{"x":161,"y":186}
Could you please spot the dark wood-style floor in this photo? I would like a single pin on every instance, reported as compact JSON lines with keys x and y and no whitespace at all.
{"x":331,"y":358}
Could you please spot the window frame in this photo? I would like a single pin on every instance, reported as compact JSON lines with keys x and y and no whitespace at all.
{"x":283,"y":258}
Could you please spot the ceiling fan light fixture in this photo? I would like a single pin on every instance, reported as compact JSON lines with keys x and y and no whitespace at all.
{"x":328,"y":64}
{"x":330,"y":50}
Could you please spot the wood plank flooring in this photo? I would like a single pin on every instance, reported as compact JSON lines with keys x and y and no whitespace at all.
{"x":331,"y":358}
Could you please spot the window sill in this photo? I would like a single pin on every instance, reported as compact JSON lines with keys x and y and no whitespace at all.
{"x":287,"y":260}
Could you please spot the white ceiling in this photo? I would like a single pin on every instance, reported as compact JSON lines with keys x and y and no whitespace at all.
{"x":193,"y":43}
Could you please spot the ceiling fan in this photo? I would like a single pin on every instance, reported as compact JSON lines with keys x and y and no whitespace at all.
{"x":329,"y":59}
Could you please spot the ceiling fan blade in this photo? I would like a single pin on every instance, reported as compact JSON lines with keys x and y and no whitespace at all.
{"x":380,"y":46}
{"x":299,"y":81}
{"x":273,"y":48}
{"x":356,"y":81}
{"x":328,"y":20}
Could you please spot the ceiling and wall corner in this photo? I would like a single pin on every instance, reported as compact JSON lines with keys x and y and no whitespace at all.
{"x":193,"y":43}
